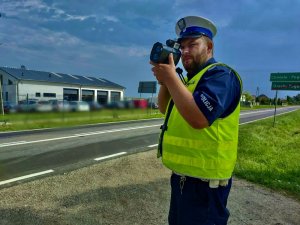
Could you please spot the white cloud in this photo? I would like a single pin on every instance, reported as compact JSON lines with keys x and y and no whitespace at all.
{"x":31,"y":10}
{"x":24,"y":37}
{"x":111,"y":19}
{"x":81,"y":18}
{"x":131,"y":51}
{"x":14,"y":8}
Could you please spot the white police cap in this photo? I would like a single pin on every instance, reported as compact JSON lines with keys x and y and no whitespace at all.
{"x":195,"y":26}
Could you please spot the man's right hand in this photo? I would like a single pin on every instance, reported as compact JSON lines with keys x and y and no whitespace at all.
{"x":164,"y":72}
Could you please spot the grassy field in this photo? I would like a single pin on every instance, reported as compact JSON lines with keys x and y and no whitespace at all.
{"x":271,"y":155}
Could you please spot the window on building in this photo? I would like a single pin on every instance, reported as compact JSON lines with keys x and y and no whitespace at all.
{"x":102,"y":97}
{"x":71,"y":94}
{"x":87,"y":95}
{"x":37,"y":94}
{"x":10,"y":82}
{"x":52,"y":95}
{"x":115,"y":96}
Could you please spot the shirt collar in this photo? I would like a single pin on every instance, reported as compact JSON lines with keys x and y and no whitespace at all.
{"x":209,"y":62}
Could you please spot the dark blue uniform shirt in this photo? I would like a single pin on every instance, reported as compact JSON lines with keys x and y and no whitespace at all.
{"x":218,"y":92}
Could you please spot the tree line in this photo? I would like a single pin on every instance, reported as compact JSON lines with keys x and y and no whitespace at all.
{"x":265,"y":100}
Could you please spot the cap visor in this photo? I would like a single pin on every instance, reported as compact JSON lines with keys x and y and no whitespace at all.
{"x":189,"y":36}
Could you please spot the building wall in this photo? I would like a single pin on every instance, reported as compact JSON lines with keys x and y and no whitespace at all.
{"x":31,"y":89}
{"x":15,"y":91}
{"x":9,"y":90}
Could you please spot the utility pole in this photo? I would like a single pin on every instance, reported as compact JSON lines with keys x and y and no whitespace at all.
{"x":275,"y":108}
{"x":257,"y":94}
{"x":257,"y":91}
{"x":1,"y":97}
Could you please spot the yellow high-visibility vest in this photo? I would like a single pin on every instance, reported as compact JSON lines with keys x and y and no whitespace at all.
{"x":208,"y":153}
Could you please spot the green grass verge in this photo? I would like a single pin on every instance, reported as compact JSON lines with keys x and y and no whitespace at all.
{"x":27,"y":121}
{"x":270,"y":155}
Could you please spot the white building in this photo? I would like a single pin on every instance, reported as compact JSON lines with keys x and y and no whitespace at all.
{"x":20,"y":83}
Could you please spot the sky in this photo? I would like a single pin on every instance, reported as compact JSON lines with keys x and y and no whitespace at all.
{"x":113,"y":39}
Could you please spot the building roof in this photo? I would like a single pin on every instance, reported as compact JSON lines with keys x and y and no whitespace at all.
{"x":52,"y":77}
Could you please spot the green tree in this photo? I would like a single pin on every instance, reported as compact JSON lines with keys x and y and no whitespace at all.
{"x":290,"y":100}
{"x":248,"y":96}
{"x":297,"y":99}
{"x":264,"y":100}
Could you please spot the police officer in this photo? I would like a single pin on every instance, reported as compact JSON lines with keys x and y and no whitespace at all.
{"x":199,"y":137}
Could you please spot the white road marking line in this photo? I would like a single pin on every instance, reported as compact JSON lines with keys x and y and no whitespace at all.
{"x":75,"y":136}
{"x":16,"y":143}
{"x":25,"y":177}
{"x":151,"y":146}
{"x":110,"y":156}
{"x":267,"y":117}
{"x":254,"y":112}
{"x":262,"y":111}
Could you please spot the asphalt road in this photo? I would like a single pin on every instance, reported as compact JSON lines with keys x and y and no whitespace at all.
{"x":254,"y":115}
{"x":28,"y":154}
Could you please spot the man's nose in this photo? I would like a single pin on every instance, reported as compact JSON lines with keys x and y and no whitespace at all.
{"x":185,"y":51}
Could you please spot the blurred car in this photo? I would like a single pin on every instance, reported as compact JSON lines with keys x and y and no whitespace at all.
{"x":140,"y":103}
{"x":79,"y":106}
{"x":152,"y":105}
{"x":115,"y":105}
{"x":129,"y":104}
{"x":9,"y":107}
{"x":95,"y":105}
{"x":43,"y":106}
{"x":27,"y":105}
{"x":60,"y":105}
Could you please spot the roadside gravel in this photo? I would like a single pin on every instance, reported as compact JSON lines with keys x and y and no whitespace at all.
{"x":131,"y":190}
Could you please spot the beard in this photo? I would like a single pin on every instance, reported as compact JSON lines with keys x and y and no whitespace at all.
{"x":193,"y":65}
{"x":190,"y":68}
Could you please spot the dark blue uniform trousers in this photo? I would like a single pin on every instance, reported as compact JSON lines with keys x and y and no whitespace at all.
{"x":193,"y":202}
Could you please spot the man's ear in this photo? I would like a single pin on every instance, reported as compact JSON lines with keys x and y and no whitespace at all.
{"x":210,"y":46}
